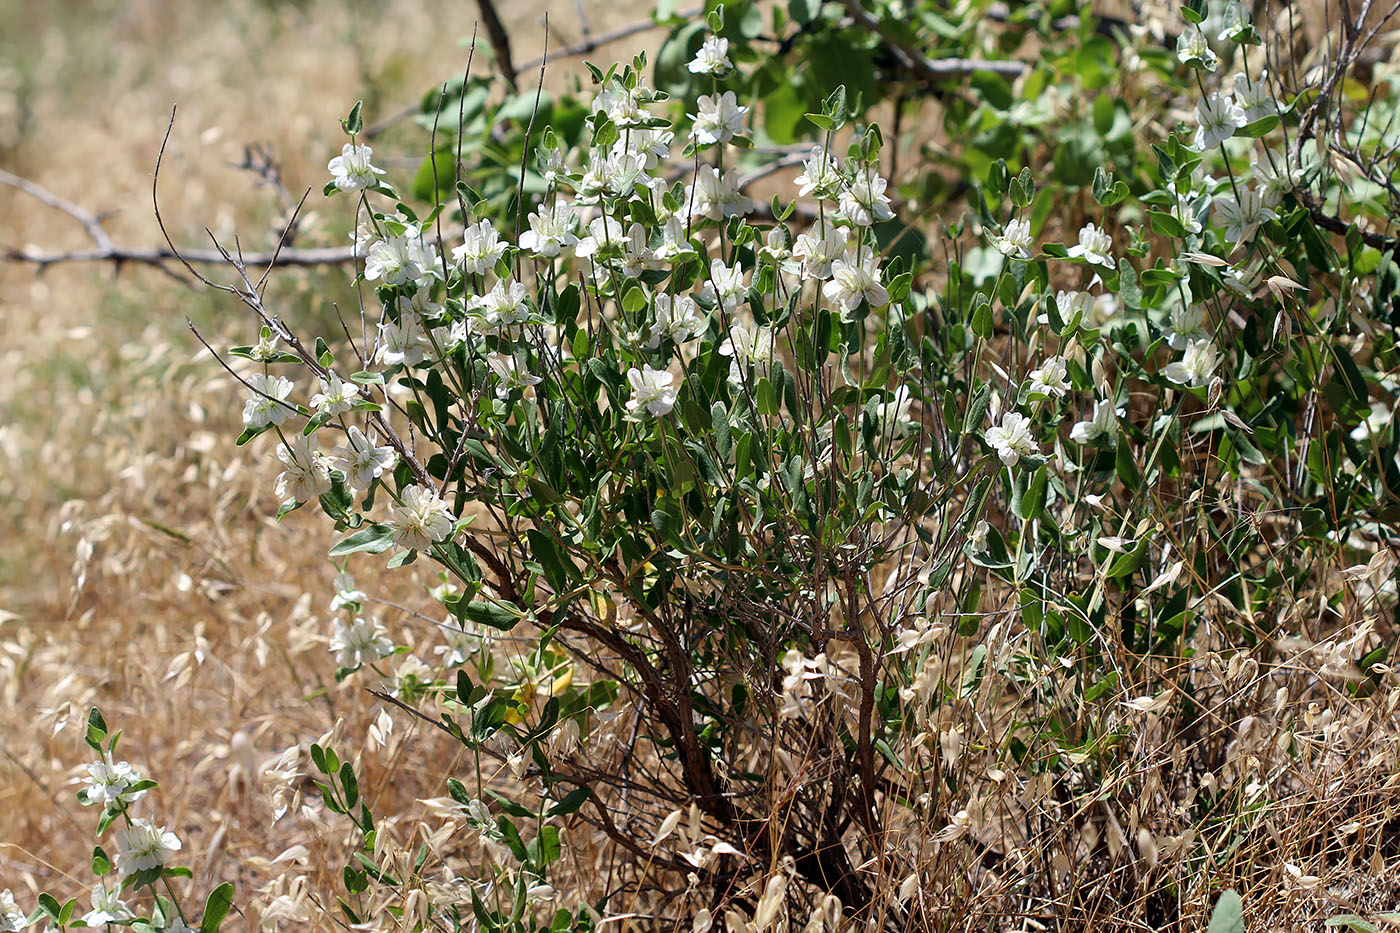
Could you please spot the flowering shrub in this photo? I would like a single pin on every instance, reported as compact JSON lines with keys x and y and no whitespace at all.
{"x":143,"y":857}
{"x":811,"y":564}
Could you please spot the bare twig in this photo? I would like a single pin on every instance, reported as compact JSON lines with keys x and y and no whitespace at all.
{"x":91,"y":223}
{"x":105,"y":250}
{"x":919,"y":64}
{"x":500,"y":40}
{"x":587,"y":46}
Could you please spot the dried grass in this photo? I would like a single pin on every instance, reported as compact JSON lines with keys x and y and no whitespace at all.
{"x":142,"y":572}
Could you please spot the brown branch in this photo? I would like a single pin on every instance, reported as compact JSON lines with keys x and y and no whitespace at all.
{"x":919,"y":64}
{"x":104,"y":250}
{"x":500,"y":40}
{"x":587,"y":46}
{"x":1337,"y":225}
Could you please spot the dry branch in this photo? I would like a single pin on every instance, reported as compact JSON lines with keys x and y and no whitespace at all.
{"x":104,"y":250}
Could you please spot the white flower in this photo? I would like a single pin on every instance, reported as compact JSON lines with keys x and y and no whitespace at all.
{"x":977,"y":538}
{"x":511,"y":372}
{"x":853,"y":278}
{"x":892,"y":417}
{"x":143,"y":846}
{"x":360,"y":460}
{"x":1094,"y":246}
{"x":550,"y":231}
{"x":1012,"y":439}
{"x":1187,"y":324}
{"x":753,"y":346}
{"x":776,"y":244}
{"x":1253,"y":97}
{"x":675,"y":318}
{"x":110,"y":783}
{"x":673,"y":242}
{"x":481,"y":248}
{"x":307,"y":475}
{"x":1234,"y":22}
{"x":1376,"y":421}
{"x":1242,"y":218}
{"x":107,"y":907}
{"x":552,"y":164}
{"x":1242,"y":280}
{"x":352,"y":170}
{"x":420,"y":518}
{"x":605,"y":235}
{"x":1217,"y":118}
{"x":719,"y":120}
{"x":266,"y":348}
{"x":1015,"y":241}
{"x":479,"y":818}
{"x":336,"y":396}
{"x":651,"y":390}
{"x":617,"y":172}
{"x":1102,"y":423}
{"x":1196,"y":366}
{"x":863,"y":201}
{"x":1051,"y":379}
{"x":621,"y":107}
{"x":717,"y":196}
{"x":1184,"y":209}
{"x":503,"y":306}
{"x":725,"y":285}
{"x":461,"y":644}
{"x":819,"y":248}
{"x":1192,"y":48}
{"x":361,"y":642}
{"x":651,"y":146}
{"x":404,"y":342}
{"x":713,"y":58}
{"x":1070,"y":304}
{"x":345,"y":592}
{"x":821,"y":174}
{"x":1275,"y":177}
{"x":399,"y":259}
{"x":637,"y":256}
{"x":267,"y":403}
{"x":12,"y":918}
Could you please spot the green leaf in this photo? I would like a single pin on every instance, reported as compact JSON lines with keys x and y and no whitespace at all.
{"x":458,"y":791}
{"x":1023,"y":189}
{"x":570,"y":803}
{"x":544,"y":850}
{"x":1258,"y":127}
{"x":353,"y":124}
{"x":350,"y":784}
{"x":1352,"y":922}
{"x":972,"y":672}
{"x":510,"y":806}
{"x":372,"y":539}
{"x":250,"y":433}
{"x":50,"y":905}
{"x":719,"y":421}
{"x":96,"y":729}
{"x":982,"y":316}
{"x":491,"y":614}
{"x":1033,"y":500}
{"x":1228,"y":916}
{"x":1164,"y":224}
{"x":804,"y":11}
{"x":557,"y":566}
{"x":1128,"y":563}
